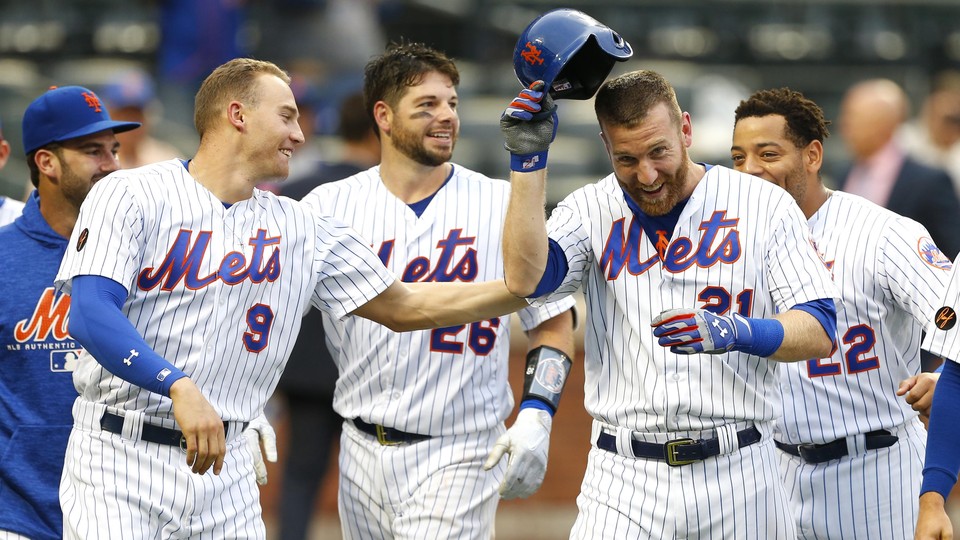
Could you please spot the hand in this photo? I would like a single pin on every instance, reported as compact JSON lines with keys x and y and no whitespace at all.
{"x":261,"y":432}
{"x":201,"y":425}
{"x":692,"y":331}
{"x":527,"y":442}
{"x":918,"y":392}
{"x":529,"y":125}
{"x":932,"y":521}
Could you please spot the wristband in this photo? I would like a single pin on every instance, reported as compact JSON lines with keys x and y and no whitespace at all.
{"x":765,"y":336}
{"x":545,"y":376}
{"x":528,"y":162}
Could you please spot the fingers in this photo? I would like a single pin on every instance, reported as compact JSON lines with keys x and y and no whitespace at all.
{"x":500,"y":448}
{"x":906,"y":385}
{"x":206,"y":449}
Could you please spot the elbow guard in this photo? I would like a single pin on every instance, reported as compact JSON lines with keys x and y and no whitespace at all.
{"x":546,"y":375}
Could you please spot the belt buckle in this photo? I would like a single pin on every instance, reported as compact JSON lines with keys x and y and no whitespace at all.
{"x":670,"y":450}
{"x":183,"y":444}
{"x":382,"y":437}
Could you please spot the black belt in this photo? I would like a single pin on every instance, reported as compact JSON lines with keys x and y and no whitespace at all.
{"x":388,"y":436}
{"x":819,"y":453}
{"x":679,"y":451}
{"x":151,"y":433}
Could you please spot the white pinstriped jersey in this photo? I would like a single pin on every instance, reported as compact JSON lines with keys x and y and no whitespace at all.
{"x":434,"y":382}
{"x":740,"y":244}
{"x":217,"y":292}
{"x":890,"y":275}
{"x":943,"y":336}
{"x":9,"y":210}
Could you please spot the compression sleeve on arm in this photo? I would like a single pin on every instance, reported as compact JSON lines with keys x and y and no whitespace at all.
{"x":943,"y":439}
{"x":555,"y":271}
{"x":825,"y":311}
{"x":97,"y":323}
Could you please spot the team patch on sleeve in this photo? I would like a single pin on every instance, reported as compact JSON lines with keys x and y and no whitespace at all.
{"x":931,"y":254}
{"x":82,"y":239}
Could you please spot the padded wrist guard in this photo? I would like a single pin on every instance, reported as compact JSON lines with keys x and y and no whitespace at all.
{"x":546,"y":375}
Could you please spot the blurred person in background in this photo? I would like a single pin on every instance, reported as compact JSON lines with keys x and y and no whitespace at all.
{"x":308,"y":381}
{"x":9,"y":208}
{"x":131,"y":97}
{"x":870,"y":114}
{"x":933,"y":138}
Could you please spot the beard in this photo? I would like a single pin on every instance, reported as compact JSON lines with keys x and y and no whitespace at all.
{"x":74,"y":187}
{"x":673,"y":188}
{"x":410,"y":144}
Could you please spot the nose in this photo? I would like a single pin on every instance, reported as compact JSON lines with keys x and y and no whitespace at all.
{"x":750,"y":165}
{"x":297,"y":135}
{"x":646,"y":173}
{"x":110,"y":163}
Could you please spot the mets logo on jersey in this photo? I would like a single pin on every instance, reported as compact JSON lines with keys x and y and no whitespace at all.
{"x":932,"y":255}
{"x":946,"y":318}
{"x":719,"y":243}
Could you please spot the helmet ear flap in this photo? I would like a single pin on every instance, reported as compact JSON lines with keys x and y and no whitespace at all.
{"x":570,"y":51}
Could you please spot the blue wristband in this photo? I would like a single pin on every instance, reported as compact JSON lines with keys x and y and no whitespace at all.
{"x":533,"y":403}
{"x":528,"y":162}
{"x":765,"y":336}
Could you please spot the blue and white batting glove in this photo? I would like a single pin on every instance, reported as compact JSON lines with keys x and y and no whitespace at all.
{"x":529,"y":125}
{"x":527,"y":442}
{"x":693,"y":331}
{"x":261,"y":432}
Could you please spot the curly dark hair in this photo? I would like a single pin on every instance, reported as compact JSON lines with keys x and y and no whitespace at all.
{"x":402,"y":65}
{"x":805,"y":120}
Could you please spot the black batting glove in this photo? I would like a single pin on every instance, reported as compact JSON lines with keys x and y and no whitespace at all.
{"x":529,"y":125}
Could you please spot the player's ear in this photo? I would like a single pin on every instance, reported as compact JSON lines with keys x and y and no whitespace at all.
{"x":813,"y":156}
{"x":47,"y":163}
{"x":383,"y":116}
{"x":235,"y":114}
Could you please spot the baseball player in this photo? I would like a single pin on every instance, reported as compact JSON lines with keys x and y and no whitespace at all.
{"x":423,"y":410}
{"x":942,"y":458}
{"x":682,"y":445}
{"x":10,"y":209}
{"x":70,"y":144}
{"x":850,"y":448}
{"x":187,"y":288}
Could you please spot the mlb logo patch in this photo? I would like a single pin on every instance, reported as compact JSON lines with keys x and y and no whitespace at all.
{"x":64,"y":361}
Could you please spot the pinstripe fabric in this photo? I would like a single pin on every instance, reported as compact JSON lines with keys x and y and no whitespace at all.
{"x":890,"y":276}
{"x":946,"y":342}
{"x":431,"y":489}
{"x":890,"y":282}
{"x":632,"y":383}
{"x":872,"y":495}
{"x":448,"y":383}
{"x":623,"y":497}
{"x":402,"y":380}
{"x":218,"y":292}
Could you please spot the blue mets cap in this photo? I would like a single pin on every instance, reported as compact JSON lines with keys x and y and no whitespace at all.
{"x":66,"y":113}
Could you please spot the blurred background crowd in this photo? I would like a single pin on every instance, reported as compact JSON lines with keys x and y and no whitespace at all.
{"x":886,"y":72}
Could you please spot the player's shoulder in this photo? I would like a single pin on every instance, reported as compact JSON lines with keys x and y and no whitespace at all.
{"x":462,"y":178}
{"x":856,"y":209}
{"x":365,"y":180}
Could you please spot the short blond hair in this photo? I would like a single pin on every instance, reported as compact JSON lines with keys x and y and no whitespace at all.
{"x":233,"y":80}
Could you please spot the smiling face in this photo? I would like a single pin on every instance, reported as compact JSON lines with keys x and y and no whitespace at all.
{"x":272,"y":120}
{"x":650,"y":160}
{"x":762,"y":148}
{"x":424,"y":125}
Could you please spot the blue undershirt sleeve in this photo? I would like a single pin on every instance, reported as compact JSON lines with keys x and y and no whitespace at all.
{"x":554,"y":273}
{"x":825,"y":311}
{"x":97,"y":323}
{"x":943,"y":439}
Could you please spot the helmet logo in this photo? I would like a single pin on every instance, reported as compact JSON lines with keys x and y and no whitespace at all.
{"x":92,"y":101}
{"x":532,"y":54}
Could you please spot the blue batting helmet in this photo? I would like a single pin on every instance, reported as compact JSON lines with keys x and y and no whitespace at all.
{"x":570,"y":51}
